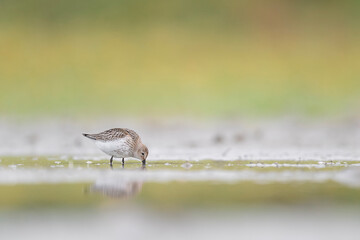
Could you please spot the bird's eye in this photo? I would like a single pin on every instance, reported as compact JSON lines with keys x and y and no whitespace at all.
{"x":142,"y":154}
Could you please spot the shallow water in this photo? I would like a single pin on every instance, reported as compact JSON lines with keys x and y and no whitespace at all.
{"x":283,"y":179}
{"x":87,"y":179}
{"x":83,"y":197}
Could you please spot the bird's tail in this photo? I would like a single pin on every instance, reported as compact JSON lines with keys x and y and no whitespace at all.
{"x":89,"y":136}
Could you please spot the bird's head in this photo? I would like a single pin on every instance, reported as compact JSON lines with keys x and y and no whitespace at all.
{"x":142,"y":152}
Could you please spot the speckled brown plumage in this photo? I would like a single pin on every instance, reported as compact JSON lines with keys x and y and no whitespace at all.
{"x":113,"y":134}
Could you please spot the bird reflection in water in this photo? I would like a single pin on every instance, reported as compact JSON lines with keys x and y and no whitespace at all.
{"x":119,"y":188}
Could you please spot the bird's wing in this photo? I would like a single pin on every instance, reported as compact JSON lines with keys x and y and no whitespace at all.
{"x":132,"y":134}
{"x":109,"y":135}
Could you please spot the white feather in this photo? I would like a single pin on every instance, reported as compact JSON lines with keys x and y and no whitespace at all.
{"x":117,"y":148}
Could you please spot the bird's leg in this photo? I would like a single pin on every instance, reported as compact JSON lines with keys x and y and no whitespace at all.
{"x":111,"y":160}
{"x":143,"y":162}
{"x":123,"y":161}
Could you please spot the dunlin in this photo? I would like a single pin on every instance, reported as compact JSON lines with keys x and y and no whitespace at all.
{"x":120,"y":143}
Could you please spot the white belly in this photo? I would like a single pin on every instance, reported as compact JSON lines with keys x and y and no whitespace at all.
{"x":118,"y":148}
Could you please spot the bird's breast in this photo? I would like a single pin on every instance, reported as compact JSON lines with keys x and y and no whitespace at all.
{"x":117,"y":148}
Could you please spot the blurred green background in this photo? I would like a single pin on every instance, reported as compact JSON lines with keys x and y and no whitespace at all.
{"x":182,"y":57}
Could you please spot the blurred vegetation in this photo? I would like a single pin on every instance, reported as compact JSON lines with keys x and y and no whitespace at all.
{"x":214,"y":58}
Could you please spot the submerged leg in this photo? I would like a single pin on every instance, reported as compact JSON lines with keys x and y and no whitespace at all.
{"x":111,"y":160}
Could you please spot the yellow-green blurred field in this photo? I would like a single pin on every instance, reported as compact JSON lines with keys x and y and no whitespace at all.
{"x":180,"y":57}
